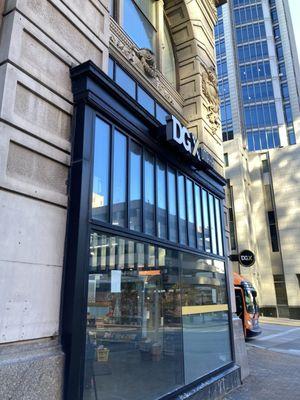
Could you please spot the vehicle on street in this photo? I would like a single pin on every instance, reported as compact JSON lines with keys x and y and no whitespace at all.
{"x":246,"y":305}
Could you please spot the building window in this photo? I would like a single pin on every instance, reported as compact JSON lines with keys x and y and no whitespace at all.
{"x":273,"y":231}
{"x":265,"y":166}
{"x":232,"y":230}
{"x":291,"y":137}
{"x":139,"y":22}
{"x":226,"y":160}
{"x":280,"y":290}
{"x":168,"y":59}
{"x":138,"y":19}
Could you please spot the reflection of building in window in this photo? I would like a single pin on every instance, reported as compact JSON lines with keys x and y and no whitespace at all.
{"x":97,"y":201}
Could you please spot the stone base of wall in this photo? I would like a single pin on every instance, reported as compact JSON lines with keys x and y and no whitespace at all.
{"x":294,"y":312}
{"x":31,"y":370}
{"x":241,"y":356}
{"x":268,"y":311}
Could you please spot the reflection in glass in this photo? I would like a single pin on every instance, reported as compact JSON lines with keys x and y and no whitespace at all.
{"x":191,"y":213}
{"x":161,"y":200}
{"x":182,"y":210}
{"x":143,"y":320}
{"x":149,"y":193}
{"x":111,"y":65}
{"x":172,"y":205}
{"x":100,"y":198}
{"x":137,"y":26}
{"x":219,"y":227}
{"x":145,"y":100}
{"x":199,"y":224}
{"x":161,"y":114}
{"x":212,"y":224}
{"x":133,"y":325}
{"x":125,"y":81}
{"x":206,"y":338}
{"x":135,"y":184}
{"x":168,"y":59}
{"x":207,"y":241}
{"x":119,"y":179}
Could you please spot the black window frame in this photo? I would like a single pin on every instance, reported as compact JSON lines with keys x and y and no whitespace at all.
{"x":95,"y":94}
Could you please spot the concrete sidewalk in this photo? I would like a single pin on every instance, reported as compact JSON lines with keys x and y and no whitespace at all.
{"x":280,"y":321}
{"x":273,"y":376}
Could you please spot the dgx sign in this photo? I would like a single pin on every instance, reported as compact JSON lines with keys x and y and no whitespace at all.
{"x":186,"y":142}
{"x":246,"y":258}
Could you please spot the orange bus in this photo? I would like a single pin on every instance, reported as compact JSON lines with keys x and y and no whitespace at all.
{"x":246,"y":305}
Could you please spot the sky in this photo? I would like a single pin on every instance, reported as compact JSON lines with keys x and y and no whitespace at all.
{"x":295,"y":12}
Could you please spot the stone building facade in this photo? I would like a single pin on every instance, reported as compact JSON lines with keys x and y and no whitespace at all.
{"x":41,"y":40}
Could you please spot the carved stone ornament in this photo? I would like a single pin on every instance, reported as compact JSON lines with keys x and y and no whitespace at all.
{"x":210,"y":91}
{"x":147,"y":59}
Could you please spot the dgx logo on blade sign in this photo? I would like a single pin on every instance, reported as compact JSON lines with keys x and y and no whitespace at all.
{"x":246,"y":258}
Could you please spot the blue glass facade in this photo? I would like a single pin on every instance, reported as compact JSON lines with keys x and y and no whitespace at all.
{"x":223,"y":84}
{"x":282,"y":74}
{"x":260,"y":122}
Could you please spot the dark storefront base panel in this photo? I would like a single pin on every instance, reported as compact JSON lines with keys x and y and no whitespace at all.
{"x":216,"y":387}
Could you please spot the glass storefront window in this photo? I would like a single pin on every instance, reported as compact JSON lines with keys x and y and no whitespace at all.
{"x":149,"y":193}
{"x":161,"y":200}
{"x":125,"y":81}
{"x":199,"y":225}
{"x":152,"y":312}
{"x":206,"y":340}
{"x":119,"y":179}
{"x":207,"y":240}
{"x":149,"y":196}
{"x":182,"y":210}
{"x":191,"y":213}
{"x":172,"y":196}
{"x":135,"y":185}
{"x":219,"y":227}
{"x":145,"y":100}
{"x":212,"y":224}
{"x":100,"y":197}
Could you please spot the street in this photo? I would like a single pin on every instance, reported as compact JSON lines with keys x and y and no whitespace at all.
{"x":274,"y":361}
{"x":279,"y":338}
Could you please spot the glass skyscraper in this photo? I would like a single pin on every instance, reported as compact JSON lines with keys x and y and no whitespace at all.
{"x":259,"y":86}
{"x":252,"y":31}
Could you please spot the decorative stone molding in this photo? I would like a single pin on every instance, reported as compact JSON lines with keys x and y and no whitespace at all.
{"x":214,"y":7}
{"x":147,"y":59}
{"x":143,"y":60}
{"x":210,"y":91}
